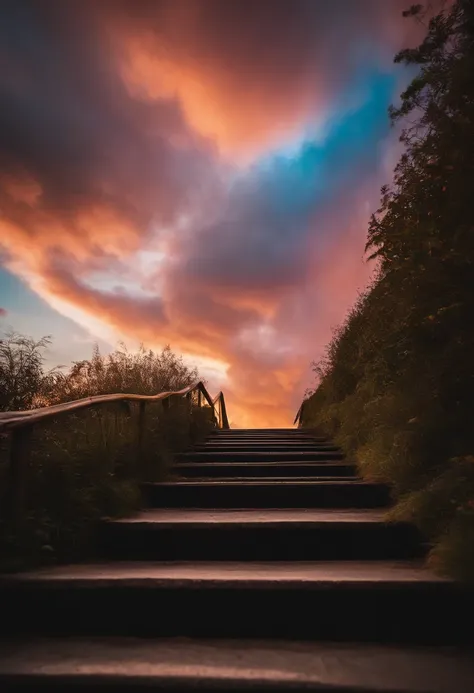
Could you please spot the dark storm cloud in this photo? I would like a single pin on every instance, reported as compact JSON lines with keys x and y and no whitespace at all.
{"x":67,"y":120}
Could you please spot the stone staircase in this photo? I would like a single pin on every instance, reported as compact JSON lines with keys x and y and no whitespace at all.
{"x":265,"y":564}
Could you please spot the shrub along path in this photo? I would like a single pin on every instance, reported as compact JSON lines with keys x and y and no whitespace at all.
{"x":264,"y":564}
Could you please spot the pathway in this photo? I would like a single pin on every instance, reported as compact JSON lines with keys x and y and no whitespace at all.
{"x":265,"y":564}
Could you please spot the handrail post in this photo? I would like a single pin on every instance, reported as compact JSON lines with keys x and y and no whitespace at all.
{"x":20,"y":452}
{"x":215,"y":412}
{"x":189,"y":400}
{"x":21,"y":424}
{"x":140,"y":432}
{"x":224,"y":419}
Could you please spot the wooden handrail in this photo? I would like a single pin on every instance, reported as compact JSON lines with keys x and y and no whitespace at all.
{"x":21,"y":423}
{"x":18,"y":419}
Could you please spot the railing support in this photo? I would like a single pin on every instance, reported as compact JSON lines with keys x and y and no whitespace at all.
{"x":20,"y":454}
{"x":21,"y":424}
{"x":140,"y":432}
{"x":224,"y":419}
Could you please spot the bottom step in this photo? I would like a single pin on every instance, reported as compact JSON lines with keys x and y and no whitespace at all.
{"x":129,"y":664}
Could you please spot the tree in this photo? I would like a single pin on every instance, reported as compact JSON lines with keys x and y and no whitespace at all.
{"x":425,"y":219}
{"x":397,"y":387}
{"x":23,"y":381}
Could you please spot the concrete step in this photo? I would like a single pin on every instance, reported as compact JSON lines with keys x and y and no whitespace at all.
{"x":229,"y":435}
{"x":265,"y":447}
{"x":352,"y":602}
{"x":252,"y":435}
{"x":263,"y":469}
{"x":236,"y":445}
{"x":241,"y":666}
{"x":266,"y":494}
{"x":260,"y":442}
{"x":250,"y":535}
{"x":264,"y":431}
{"x":317,"y":440}
{"x":266,"y":440}
{"x":264,"y":479}
{"x":258,"y":456}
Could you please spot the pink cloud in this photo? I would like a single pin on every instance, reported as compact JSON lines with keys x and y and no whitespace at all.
{"x":249,"y":76}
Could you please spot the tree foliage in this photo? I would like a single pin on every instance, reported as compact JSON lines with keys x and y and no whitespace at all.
{"x":397,"y":382}
{"x":23,"y":380}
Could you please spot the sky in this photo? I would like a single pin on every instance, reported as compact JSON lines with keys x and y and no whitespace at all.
{"x":198,"y":173}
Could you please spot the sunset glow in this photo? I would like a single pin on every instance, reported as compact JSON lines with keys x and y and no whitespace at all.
{"x":198,"y":173}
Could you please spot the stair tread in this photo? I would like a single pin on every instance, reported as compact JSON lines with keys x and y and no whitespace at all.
{"x":264,"y":444}
{"x":265,"y":482}
{"x":252,"y":516}
{"x":372,"y":668}
{"x":260,"y":452}
{"x":263,"y":463}
{"x":271,"y":479}
{"x":228,"y":573}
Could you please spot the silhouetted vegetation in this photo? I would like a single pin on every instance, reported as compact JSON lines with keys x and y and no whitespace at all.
{"x":23,"y":380}
{"x":85,"y":465}
{"x":396,"y":387}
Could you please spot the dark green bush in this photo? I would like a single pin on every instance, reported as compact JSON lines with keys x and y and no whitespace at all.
{"x":396,"y":386}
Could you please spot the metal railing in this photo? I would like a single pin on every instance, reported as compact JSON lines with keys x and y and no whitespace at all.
{"x":20,"y":425}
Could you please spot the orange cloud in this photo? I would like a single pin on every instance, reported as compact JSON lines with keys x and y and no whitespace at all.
{"x":248,"y":76}
{"x":208,"y":99}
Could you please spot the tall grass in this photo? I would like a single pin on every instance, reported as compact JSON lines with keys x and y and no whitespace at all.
{"x":87,"y":465}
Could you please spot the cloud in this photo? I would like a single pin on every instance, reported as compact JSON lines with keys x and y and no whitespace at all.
{"x":248,"y":75}
{"x":198,"y":174}
{"x":3,"y":312}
